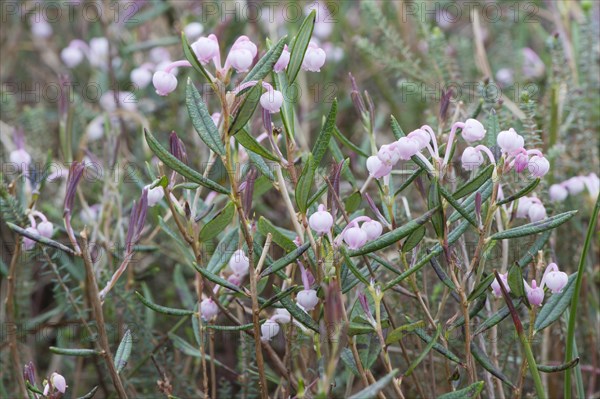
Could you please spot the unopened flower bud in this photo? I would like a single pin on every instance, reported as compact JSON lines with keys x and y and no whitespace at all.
{"x":208,"y":309}
{"x":473,"y":130}
{"x":314,"y":58}
{"x":164,"y":82}
{"x":239,"y":263}
{"x":471,"y":159}
{"x":538,"y":166}
{"x":193,"y":30}
{"x":58,"y":382}
{"x":308,"y":299}
{"x":206,"y":48}
{"x":373,"y":229}
{"x":321,"y":221}
{"x":521,"y":162}
{"x":155,"y":195}
{"x":575,"y":185}
{"x":272,"y":101}
{"x":554,"y":279}
{"x":45,"y":229}
{"x":355,"y":237}
{"x":28,"y":243}
{"x":268,"y":330}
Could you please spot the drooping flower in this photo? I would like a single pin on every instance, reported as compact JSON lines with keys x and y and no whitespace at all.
{"x":521,"y":162}
{"x":376,"y":168}
{"x":574,"y":185}
{"x":269,"y":329}
{"x":558,"y":193}
{"x":272,"y":100}
{"x":421,"y":136}
{"x":206,"y":48}
{"x":314,"y":58}
{"x":164,"y":82}
{"x":71,"y":56}
{"x":20,"y":158}
{"x":208,"y":309}
{"x":193,"y":30}
{"x":473,"y":130}
{"x":510,"y":141}
{"x":471,"y":159}
{"x":496,"y":285}
{"x":554,"y":279}
{"x":321,"y":221}
{"x":45,"y":228}
{"x":535,"y":294}
{"x":242,"y":54}
{"x":308,"y":299}
{"x":155,"y":195}
{"x":239,"y":263}
{"x":141,"y":77}
{"x":355,"y":237}
{"x":538,"y":166}
{"x":28,"y":243}
{"x":373,"y":229}
{"x":407,"y":147}
{"x":536,"y":212}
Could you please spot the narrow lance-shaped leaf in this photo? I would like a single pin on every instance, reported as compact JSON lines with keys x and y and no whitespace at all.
{"x":218,"y":223}
{"x":124,"y":351}
{"x":497,"y":317}
{"x":300,"y":45}
{"x":242,"y":327}
{"x":521,"y":193}
{"x":39,"y":238}
{"x":265,"y":65}
{"x":535,"y":227}
{"x":276,"y":298}
{"x":456,"y":205}
{"x":305,"y":184}
{"x":473,"y":184}
{"x":481,"y":288}
{"x":470,"y":392}
{"x":487,"y":364}
{"x":164,"y":309}
{"x":434,"y":201}
{"x":216,"y":279}
{"x":286,"y":260}
{"x":413,"y":239}
{"x":556,"y":305}
{"x":246,"y":109}
{"x":320,"y":147}
{"x":179,"y":166}
{"x":515,"y":282}
{"x":73,"y":351}
{"x":250,"y":143}
{"x":558,"y":367}
{"x":423,"y":353}
{"x":201,"y":119}
{"x":191,"y":57}
{"x":373,"y":390}
{"x":436,"y":346}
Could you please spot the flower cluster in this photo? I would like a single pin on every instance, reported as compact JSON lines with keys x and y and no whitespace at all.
{"x":43,"y":228}
{"x":553,"y":279}
{"x":574,"y":186}
{"x":531,"y":208}
{"x":97,"y":53}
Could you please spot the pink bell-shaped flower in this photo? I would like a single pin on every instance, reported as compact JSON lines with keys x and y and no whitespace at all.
{"x":538,"y":166}
{"x":471,"y":159}
{"x":575,"y":185}
{"x":308,"y":299}
{"x":206,"y":48}
{"x":536,"y":212}
{"x":558,"y":193}
{"x":272,"y":100}
{"x":239,"y":263}
{"x":45,"y":228}
{"x":28,"y":243}
{"x":473,"y":130}
{"x":321,"y":221}
{"x":208,"y":309}
{"x":377,"y":168}
{"x":140,"y":77}
{"x":71,"y":56}
{"x":521,"y":162}
{"x":510,"y":141}
{"x":389,"y":154}
{"x":268,"y":330}
{"x":496,"y":285}
{"x":407,"y":147}
{"x":155,"y":195}
{"x":373,"y":229}
{"x":20,"y":158}
{"x":535,"y":294}
{"x":554,"y":279}
{"x":355,"y":237}
{"x":314,"y":58}
{"x":421,"y":136}
{"x":164,"y":82}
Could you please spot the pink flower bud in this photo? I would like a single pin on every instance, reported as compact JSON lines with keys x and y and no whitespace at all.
{"x":240,"y":59}
{"x":376,"y":168}
{"x":575,"y":185}
{"x":155,"y":195}
{"x":407,"y":147}
{"x":496,"y":285}
{"x":473,"y":130}
{"x":58,"y":382}
{"x":389,"y":154}
{"x":140,"y":77}
{"x":535,"y":294}
{"x":164,"y":82}
{"x":245,"y":43}
{"x":373,"y":229}
{"x":355,"y":237}
{"x":45,"y":229}
{"x":283,"y":61}
{"x":28,"y":243}
{"x":272,"y":100}
{"x":321,"y":221}
{"x":20,"y":158}
{"x":208,"y":309}
{"x":268,"y":330}
{"x":71,"y":56}
{"x":536,"y":212}
{"x":558,"y":193}
{"x":538,"y":166}
{"x":421,"y":136}
{"x":314,"y":58}
{"x":206,"y":48}
{"x":193,"y":30}
{"x":554,"y":279}
{"x":471,"y":159}
{"x":308,"y":299}
{"x":521,"y":162}
{"x":239,"y":263}
{"x":510,"y":141}
{"x":523,"y":206}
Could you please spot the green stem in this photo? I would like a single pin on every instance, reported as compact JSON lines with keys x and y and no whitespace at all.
{"x":537,"y":380}
{"x":575,"y":299}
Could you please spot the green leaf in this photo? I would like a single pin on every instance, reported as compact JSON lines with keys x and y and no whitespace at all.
{"x":90,"y":394}
{"x":305,"y":183}
{"x":556,"y":305}
{"x":468,"y":203}
{"x":260,"y":163}
{"x":246,"y":109}
{"x":436,"y":346}
{"x":286,"y":260}
{"x":515,"y":282}
{"x":348,"y":360}
{"x":350,"y":265}
{"x":496,"y":318}
{"x":73,"y":352}
{"x":459,"y":208}
{"x":346,"y":142}
{"x":216,"y":279}
{"x":492,"y":129}
{"x":408,"y":181}
{"x":535,"y":227}
{"x":250,"y":143}
{"x":184,"y":346}
{"x":481,"y":288}
{"x":300,"y":45}
{"x":521,"y":193}
{"x":181,"y":285}
{"x":218,"y":223}
{"x":179,"y":167}
{"x":124,"y":351}
{"x":533,"y":251}
{"x":353,"y":201}
{"x":394,"y":236}
{"x":191,"y":57}
{"x":242,"y":327}
{"x":434,"y":202}
{"x":223,"y":251}
{"x":487,"y":364}
{"x":276,"y":298}
{"x":373,"y":390}
{"x":201,"y":119}
{"x":474,"y":311}
{"x":163,"y":309}
{"x":320,"y":147}
{"x":265,"y":65}
{"x":469,"y":392}
{"x":447,"y":281}
{"x":558,"y":367}
{"x":289,"y":96}
{"x":423,"y":353}
{"x":398,"y":333}
{"x":298,"y":313}
{"x":265,"y":227}
{"x":473,"y":184}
